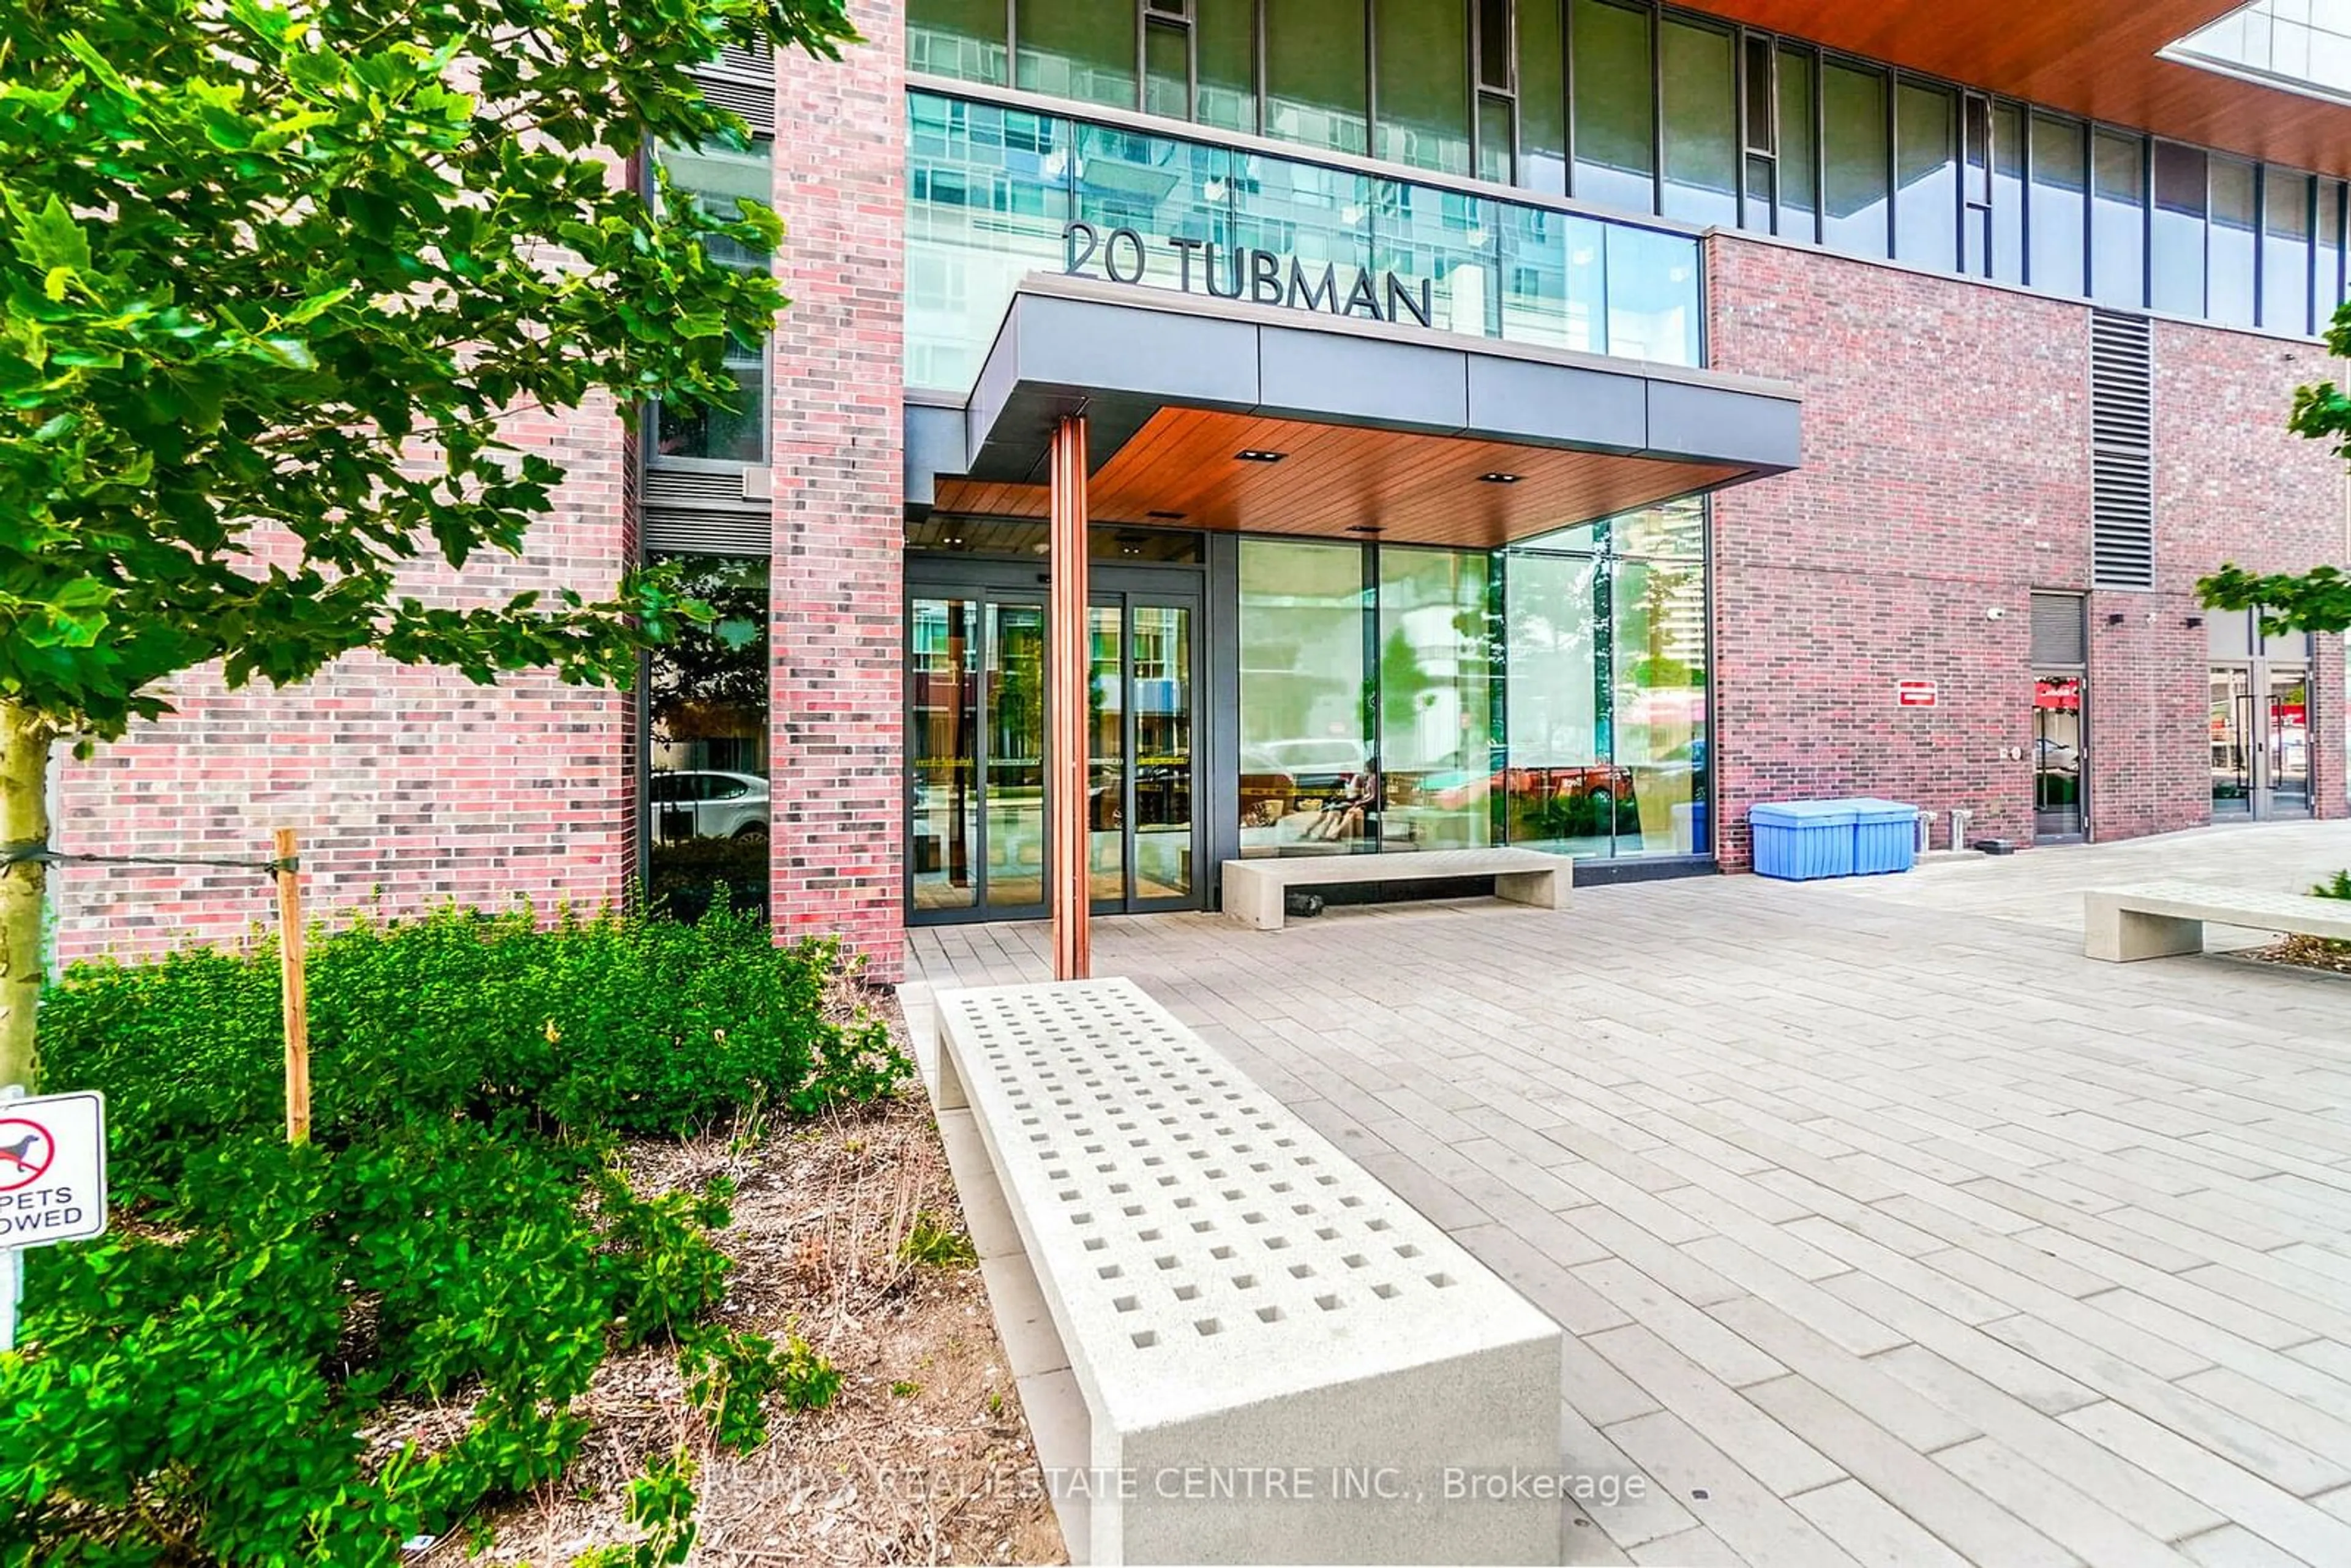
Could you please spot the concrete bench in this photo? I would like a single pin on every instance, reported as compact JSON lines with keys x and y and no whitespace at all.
{"x":1256,"y":890}
{"x":2160,"y":919}
{"x":1271,"y":1357}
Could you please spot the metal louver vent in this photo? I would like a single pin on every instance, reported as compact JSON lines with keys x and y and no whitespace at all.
{"x":756,"y":58}
{"x":2122,"y":451}
{"x":698,"y":487}
{"x":709,"y":533}
{"x":743,"y":79}
{"x":2059,"y":629}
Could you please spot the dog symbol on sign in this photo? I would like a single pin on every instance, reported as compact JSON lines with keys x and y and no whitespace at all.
{"x":26,"y":1151}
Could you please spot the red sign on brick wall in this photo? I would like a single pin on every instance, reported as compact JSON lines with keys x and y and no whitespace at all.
{"x":1914,"y":694}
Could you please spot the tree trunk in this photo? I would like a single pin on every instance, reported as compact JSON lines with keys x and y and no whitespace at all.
{"x":24,"y":740}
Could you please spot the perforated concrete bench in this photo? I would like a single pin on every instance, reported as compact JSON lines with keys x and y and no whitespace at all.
{"x":1256,"y":890}
{"x":1275,"y":1359}
{"x":2160,"y":919}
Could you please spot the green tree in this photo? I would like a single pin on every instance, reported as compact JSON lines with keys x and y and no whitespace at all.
{"x":274,"y":271}
{"x":2318,"y":599}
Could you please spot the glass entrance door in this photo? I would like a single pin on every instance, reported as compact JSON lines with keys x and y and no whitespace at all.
{"x":2286,"y":743}
{"x":976,"y":709}
{"x":976,"y":742}
{"x":1142,"y":754}
{"x":2232,"y":759}
{"x":2057,"y":759}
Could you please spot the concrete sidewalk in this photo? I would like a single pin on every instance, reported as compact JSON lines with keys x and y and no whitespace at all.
{"x":1886,"y":1229}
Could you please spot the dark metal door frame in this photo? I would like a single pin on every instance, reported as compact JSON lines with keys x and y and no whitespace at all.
{"x":982,"y":593}
{"x":1158,"y":593}
{"x":986,"y":580}
{"x":2080,"y":831}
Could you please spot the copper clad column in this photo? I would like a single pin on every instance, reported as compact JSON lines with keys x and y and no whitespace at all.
{"x":1070,"y":661}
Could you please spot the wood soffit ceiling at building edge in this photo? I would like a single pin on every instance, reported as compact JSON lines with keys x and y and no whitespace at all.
{"x":1416,"y":488}
{"x":2092,"y":58}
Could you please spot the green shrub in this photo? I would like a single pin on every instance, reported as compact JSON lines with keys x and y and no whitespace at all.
{"x":201,"y":1377}
{"x":2336,"y":886}
{"x":661,"y":1503}
{"x":617,"y":1023}
{"x":686,"y":879}
{"x":193,"y":1387}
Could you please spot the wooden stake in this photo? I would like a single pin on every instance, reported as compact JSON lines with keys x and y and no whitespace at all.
{"x":296,"y":993}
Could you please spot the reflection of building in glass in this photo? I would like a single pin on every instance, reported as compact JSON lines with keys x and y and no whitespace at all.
{"x":989,"y":191}
{"x":2301,"y":44}
{"x":708,"y":812}
{"x":1551,"y":695}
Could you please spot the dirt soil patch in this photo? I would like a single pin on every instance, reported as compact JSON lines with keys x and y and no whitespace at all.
{"x":924,"y":1455}
{"x":2307,"y":952}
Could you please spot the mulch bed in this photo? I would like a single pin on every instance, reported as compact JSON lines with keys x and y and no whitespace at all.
{"x":924,"y":1455}
{"x":2307,"y":952}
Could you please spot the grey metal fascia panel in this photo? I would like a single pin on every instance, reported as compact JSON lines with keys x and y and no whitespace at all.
{"x":1712,"y":424}
{"x":999,"y":376}
{"x":935,"y":445}
{"x":1335,"y":379}
{"x":1520,"y":400}
{"x":1080,"y":344}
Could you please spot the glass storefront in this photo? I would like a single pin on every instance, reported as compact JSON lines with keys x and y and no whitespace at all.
{"x":991,"y":190}
{"x":2260,"y":722}
{"x":1551,"y":695}
{"x":706,"y":800}
{"x":1695,"y":119}
{"x":1307,"y":784}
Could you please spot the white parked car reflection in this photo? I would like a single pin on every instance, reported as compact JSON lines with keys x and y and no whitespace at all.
{"x":708,"y":804}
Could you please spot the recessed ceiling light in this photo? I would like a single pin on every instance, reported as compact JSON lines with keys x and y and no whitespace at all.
{"x":1499,"y":478}
{"x":1258,"y":454}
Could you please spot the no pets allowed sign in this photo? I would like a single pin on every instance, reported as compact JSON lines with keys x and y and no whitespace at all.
{"x":52,"y":1169}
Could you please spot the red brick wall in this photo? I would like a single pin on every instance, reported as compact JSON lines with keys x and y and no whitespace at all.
{"x":409,"y":785}
{"x":2232,"y":484}
{"x":1946,"y":475}
{"x":837,"y":698}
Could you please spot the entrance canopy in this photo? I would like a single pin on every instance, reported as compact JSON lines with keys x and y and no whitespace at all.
{"x":1211,"y":413}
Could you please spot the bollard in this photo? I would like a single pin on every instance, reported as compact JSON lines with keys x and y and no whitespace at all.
{"x":1960,"y":818}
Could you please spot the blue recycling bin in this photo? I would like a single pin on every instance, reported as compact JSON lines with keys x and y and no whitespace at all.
{"x":1885,"y":836}
{"x":1799,"y":841}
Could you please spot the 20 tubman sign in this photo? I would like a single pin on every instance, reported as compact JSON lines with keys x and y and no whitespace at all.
{"x":1242,"y":273}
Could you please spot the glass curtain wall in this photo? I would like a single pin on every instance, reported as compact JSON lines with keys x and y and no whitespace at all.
{"x":1424,"y":85}
{"x":1317,"y":60}
{"x":707,"y":802}
{"x":1652,"y":111}
{"x":1307,"y":784}
{"x":1613,"y":102}
{"x":991,"y":190}
{"x":1438,"y":738}
{"x":1926,"y":175}
{"x":717,"y":177}
{"x":1854,"y":192}
{"x":1552,"y":696}
{"x":1699,"y":83}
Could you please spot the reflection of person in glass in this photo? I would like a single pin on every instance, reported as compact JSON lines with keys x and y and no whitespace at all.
{"x":1342,"y":816}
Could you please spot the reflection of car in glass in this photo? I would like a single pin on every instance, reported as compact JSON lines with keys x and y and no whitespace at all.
{"x":1312,"y":764}
{"x":709,"y":804}
{"x":2054,"y":754}
{"x":1453,"y":786}
{"x":1281,"y":778}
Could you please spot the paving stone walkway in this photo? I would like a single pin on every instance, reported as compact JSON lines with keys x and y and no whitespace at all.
{"x":1886,"y":1229}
